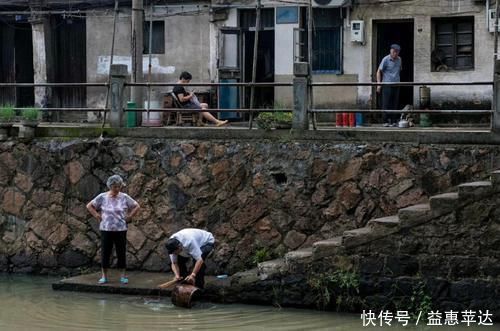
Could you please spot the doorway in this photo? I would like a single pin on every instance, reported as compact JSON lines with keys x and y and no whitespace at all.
{"x":16,"y":63}
{"x":264,"y":96}
{"x":70,"y":65}
{"x":386,"y":34}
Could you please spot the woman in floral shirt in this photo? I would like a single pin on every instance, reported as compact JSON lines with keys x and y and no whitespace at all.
{"x":112,"y":209}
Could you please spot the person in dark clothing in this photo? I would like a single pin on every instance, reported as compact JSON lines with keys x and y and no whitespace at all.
{"x":190,"y":101}
{"x":389,"y":71}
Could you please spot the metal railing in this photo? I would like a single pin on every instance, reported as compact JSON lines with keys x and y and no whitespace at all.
{"x":300,"y":96}
{"x":315,"y":111}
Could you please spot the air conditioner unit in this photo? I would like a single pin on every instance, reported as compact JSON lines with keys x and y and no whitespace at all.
{"x":330,"y":3}
{"x":358,"y":31}
{"x":491,"y":20}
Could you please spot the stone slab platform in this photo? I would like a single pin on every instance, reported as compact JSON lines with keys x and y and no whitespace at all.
{"x":140,"y":283}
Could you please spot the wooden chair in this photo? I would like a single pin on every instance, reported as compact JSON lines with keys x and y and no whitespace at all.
{"x":181,"y":118}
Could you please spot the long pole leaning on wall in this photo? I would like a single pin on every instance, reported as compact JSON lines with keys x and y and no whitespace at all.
{"x":111,"y":58}
{"x":310,"y":57}
{"x":136,"y":50}
{"x":254,"y":60}
{"x":150,"y":46}
{"x":495,"y":54}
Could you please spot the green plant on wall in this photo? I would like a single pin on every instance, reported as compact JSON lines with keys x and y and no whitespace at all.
{"x":341,"y":285}
{"x":7,"y":113}
{"x":261,"y":255}
{"x":31,"y":114}
{"x":420,"y":301}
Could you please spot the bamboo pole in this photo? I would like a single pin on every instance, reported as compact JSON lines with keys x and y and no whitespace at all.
{"x":254,"y":63}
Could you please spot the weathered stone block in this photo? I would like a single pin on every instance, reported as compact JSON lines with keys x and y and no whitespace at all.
{"x":328,"y":247}
{"x":444,"y":203}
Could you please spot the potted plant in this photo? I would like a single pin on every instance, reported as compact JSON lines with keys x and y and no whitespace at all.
{"x":30,"y":117}
{"x":30,"y":120}
{"x":7,"y":115}
{"x":275,"y":120}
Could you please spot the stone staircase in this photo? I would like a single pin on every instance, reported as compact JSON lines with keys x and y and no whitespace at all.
{"x":409,"y":217}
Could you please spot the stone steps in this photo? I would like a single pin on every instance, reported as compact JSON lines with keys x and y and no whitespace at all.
{"x":268,"y":269}
{"x":475,"y":190}
{"x":298,"y":256}
{"x":385,"y":225}
{"x":415,"y":215}
{"x":327,"y":247}
{"x":444,"y":203}
{"x":406,"y":218}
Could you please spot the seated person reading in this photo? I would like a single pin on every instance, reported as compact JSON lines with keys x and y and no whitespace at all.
{"x":190,"y":101}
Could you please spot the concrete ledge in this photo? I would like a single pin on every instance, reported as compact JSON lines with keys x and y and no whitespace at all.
{"x":367,"y":134}
{"x":140,"y":283}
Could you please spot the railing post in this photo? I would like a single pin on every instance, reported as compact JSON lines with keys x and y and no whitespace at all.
{"x":118,"y":77}
{"x":300,"y":96}
{"x":496,"y":98}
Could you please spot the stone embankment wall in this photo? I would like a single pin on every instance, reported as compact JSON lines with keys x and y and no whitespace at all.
{"x":439,"y":256}
{"x":275,"y":196}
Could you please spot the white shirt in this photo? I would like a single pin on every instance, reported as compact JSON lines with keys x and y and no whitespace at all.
{"x":192,"y":240}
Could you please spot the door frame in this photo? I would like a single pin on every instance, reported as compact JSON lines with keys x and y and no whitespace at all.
{"x":374,"y":64}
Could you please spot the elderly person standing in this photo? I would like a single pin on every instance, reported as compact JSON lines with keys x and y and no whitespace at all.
{"x":112,"y":209}
{"x":389,"y":71}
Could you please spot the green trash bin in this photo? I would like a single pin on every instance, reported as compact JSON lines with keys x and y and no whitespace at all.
{"x":131,"y":116}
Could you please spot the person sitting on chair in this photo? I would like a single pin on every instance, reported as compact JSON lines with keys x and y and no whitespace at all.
{"x":190,"y":101}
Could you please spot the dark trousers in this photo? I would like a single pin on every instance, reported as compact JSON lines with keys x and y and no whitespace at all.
{"x":200,"y":277}
{"x":390,"y":101}
{"x":119,"y":240}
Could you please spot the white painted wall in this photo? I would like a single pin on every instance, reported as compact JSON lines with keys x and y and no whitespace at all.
{"x":283,"y":48}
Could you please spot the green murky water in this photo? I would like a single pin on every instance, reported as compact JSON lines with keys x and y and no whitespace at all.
{"x":29,"y":303}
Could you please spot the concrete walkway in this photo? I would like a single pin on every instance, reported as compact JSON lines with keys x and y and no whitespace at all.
{"x":140,"y":283}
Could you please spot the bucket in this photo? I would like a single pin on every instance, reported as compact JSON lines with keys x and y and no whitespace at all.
{"x":154,"y":117}
{"x":183,"y":295}
{"x":359,"y":119}
{"x":131,"y":117}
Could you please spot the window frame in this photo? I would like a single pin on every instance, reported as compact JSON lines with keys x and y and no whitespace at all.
{"x":339,"y":28}
{"x":145,"y":49}
{"x":454,"y":21}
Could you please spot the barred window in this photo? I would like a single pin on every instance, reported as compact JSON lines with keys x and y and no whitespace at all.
{"x":453,"y":44}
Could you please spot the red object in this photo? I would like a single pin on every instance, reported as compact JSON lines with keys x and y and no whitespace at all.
{"x":339,"y":120}
{"x":352,"y":119}
{"x":345,"y":119}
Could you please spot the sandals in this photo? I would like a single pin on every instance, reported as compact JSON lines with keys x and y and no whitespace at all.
{"x":221,"y":123}
{"x":104,"y":280}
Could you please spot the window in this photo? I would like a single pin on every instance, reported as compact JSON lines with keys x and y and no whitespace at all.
{"x":326,"y":41}
{"x":158,"y":37}
{"x":453,"y":44}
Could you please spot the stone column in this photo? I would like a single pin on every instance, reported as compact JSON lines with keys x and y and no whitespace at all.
{"x":118,"y":78}
{"x":496,"y":98}
{"x":300,"y":96}
{"x":41,"y":57}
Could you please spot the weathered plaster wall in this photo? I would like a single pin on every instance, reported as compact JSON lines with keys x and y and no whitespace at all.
{"x":187,"y":47}
{"x":360,"y":59}
{"x":275,"y":195}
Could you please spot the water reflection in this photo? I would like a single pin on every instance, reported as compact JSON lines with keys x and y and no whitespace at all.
{"x":29,"y":303}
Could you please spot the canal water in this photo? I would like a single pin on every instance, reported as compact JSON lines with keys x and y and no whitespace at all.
{"x":29,"y":303}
